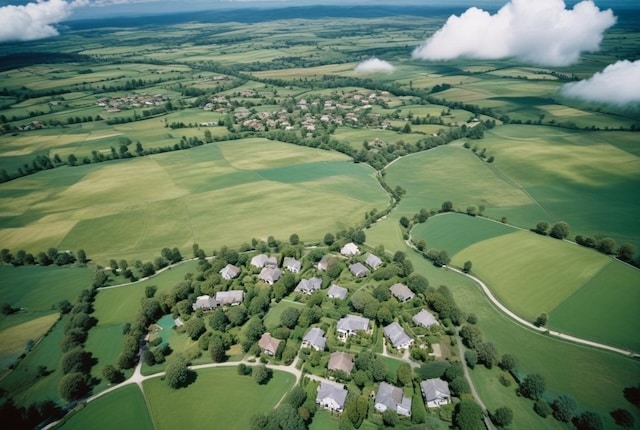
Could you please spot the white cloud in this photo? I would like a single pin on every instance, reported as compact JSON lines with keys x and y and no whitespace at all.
{"x":617,"y":84}
{"x":541,"y":32}
{"x":33,"y":20}
{"x":374,"y":65}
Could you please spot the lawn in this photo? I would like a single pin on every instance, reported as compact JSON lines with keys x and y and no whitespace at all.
{"x":272,"y":320}
{"x":219,"y":395}
{"x":131,"y":413}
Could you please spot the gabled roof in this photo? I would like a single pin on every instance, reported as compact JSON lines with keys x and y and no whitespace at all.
{"x":338,"y":292}
{"x":335,"y":392}
{"x":291,"y":264}
{"x":350,"y":249}
{"x":341,"y":361}
{"x":262,"y":260}
{"x":434,"y":389}
{"x":323,"y":264}
{"x":396,"y":334}
{"x":424,"y":318}
{"x":373,"y":261}
{"x":308,"y":286}
{"x":401,"y":292}
{"x":392,"y":398}
{"x":229,"y":271}
{"x":315,"y":337}
{"x":352,"y":323}
{"x":359,"y":270}
{"x":229,"y":297}
{"x":268,"y":344}
{"x":204,"y":302}
{"x":270,"y":275}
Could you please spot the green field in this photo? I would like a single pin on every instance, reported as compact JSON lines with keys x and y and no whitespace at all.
{"x":216,"y":185}
{"x":218,"y":395}
{"x":272,"y":319}
{"x":14,"y":339}
{"x":100,"y":414}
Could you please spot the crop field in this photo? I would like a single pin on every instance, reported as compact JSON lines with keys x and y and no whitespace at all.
{"x":14,"y":339}
{"x":218,"y":395}
{"x":213,"y":185}
{"x":532,"y":274}
{"x":131,"y":410}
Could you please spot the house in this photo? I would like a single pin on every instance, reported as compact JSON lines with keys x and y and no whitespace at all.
{"x":229,"y":272}
{"x":401,"y":292}
{"x":270,"y":275}
{"x":261,"y":260}
{"x":425,"y":319}
{"x":397,"y":336}
{"x":359,"y":270}
{"x":436,"y":392}
{"x":337,"y":292}
{"x":341,"y":361}
{"x":351,"y":325}
{"x":268,"y":344}
{"x":291,"y":264}
{"x":390,"y":397}
{"x":232,"y":297}
{"x":331,"y":396}
{"x":373,"y":261}
{"x":349,"y":250}
{"x":314,"y":339}
{"x":205,"y":303}
{"x":323,"y":264}
{"x":309,"y":286}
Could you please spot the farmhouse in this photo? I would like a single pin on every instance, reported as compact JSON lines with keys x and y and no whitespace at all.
{"x":341,"y":361}
{"x":337,"y":292}
{"x":309,"y":286}
{"x":270,"y":275}
{"x":314,"y":339}
{"x":351,"y":325}
{"x":325,"y":261}
{"x":232,"y":297}
{"x":373,"y":261}
{"x":205,"y":303}
{"x":262,"y":260}
{"x":436,"y":392}
{"x":359,"y":270}
{"x":268,"y":344}
{"x":349,"y":250}
{"x":229,"y":272}
{"x":390,"y":397}
{"x":397,"y":336}
{"x":425,"y":319}
{"x":331,"y":396}
{"x":401,"y":292}
{"x":291,"y":264}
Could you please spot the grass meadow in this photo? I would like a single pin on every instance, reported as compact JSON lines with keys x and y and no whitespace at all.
{"x":14,"y":339}
{"x":101,"y":414}
{"x":208,"y":195}
{"x":219,"y":395}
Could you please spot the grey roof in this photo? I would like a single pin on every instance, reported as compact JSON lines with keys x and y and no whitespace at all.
{"x":396,"y":334}
{"x":324,"y":262}
{"x":337,"y":292}
{"x":373,"y":261}
{"x":336,"y":392}
{"x":270,"y":275}
{"x":204,"y":302}
{"x":315,"y":337}
{"x":262,"y":260}
{"x":291,"y":264}
{"x":308,"y":286}
{"x":392,"y":397}
{"x":229,"y":297}
{"x":424,"y":318}
{"x":352,"y":323}
{"x":341,"y":361}
{"x":434,"y":389}
{"x":359,"y":270}
{"x":401,"y":292}
{"x":230,"y":271}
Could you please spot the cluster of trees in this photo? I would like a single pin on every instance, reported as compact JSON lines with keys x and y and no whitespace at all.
{"x":42,"y":258}
{"x":32,"y":416}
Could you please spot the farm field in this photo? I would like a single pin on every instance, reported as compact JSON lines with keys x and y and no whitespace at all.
{"x":128,"y":401}
{"x":14,"y":339}
{"x":206,"y":400}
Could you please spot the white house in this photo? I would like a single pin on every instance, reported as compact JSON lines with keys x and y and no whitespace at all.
{"x":373,"y":261}
{"x":436,"y":392}
{"x":229,"y":272}
{"x":331,"y":396}
{"x":424,"y":318}
{"x":401,"y":292}
{"x":270,"y":275}
{"x":351,"y":325}
{"x":337,"y":292}
{"x":397,"y":336}
{"x":349,"y":250}
{"x":314,"y":339}
{"x":262,"y":260}
{"x":309,"y":286}
{"x":231,"y":297}
{"x":291,"y":264}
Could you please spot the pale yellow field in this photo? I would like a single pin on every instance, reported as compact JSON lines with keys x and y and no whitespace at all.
{"x":14,"y":339}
